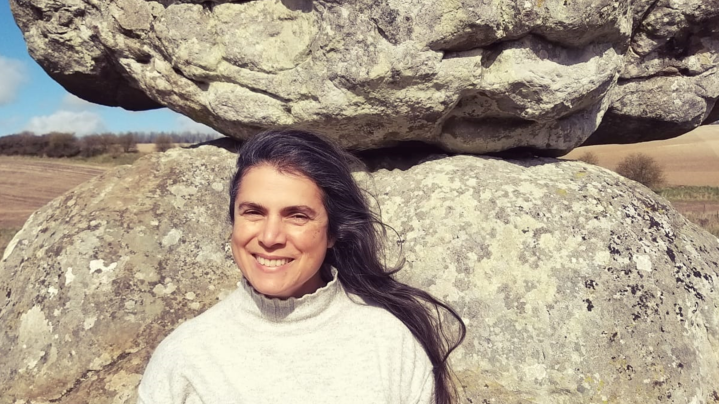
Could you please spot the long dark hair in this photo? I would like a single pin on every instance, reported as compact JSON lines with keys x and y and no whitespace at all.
{"x":357,"y":235}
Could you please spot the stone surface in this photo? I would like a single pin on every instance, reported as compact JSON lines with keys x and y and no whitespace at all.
{"x":470,"y":76}
{"x":669,"y":83}
{"x":577,"y":286}
{"x":99,"y":275}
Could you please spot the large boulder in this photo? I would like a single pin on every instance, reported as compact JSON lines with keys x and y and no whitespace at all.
{"x":466,"y":75}
{"x":113,"y":265}
{"x":670,"y":80}
{"x":577,"y":286}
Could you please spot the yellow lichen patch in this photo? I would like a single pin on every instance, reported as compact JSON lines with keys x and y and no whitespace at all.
{"x":562,"y":192}
{"x":33,"y":336}
{"x":580,"y":174}
{"x":540,"y":3}
{"x":476,"y":383}
{"x":123,"y":381}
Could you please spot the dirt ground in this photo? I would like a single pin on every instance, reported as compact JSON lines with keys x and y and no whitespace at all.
{"x":145,"y":147}
{"x":691,"y":159}
{"x":28,"y":184}
{"x":150,"y":147}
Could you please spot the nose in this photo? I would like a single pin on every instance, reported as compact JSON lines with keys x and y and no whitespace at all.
{"x":272,"y":233}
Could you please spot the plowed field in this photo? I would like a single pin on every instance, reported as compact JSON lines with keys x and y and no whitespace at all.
{"x":28,"y":184}
{"x":691,"y":159}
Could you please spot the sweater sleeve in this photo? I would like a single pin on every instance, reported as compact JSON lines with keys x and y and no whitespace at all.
{"x":426,"y":393}
{"x":163,"y":381}
{"x":417,"y":370}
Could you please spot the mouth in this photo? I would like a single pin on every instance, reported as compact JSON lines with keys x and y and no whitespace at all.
{"x":272,"y":262}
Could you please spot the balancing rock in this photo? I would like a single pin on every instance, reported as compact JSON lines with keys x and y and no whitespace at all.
{"x":469,"y":76}
{"x":576,"y":285}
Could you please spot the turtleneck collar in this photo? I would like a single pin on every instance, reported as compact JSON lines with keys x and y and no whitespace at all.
{"x":291,"y":310}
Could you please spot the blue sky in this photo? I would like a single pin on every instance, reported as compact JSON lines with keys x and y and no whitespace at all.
{"x":31,"y":100}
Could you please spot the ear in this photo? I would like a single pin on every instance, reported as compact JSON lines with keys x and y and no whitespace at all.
{"x":331,"y":242}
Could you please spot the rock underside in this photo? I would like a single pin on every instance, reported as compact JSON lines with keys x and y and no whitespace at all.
{"x":469,"y":76}
{"x":577,"y":286}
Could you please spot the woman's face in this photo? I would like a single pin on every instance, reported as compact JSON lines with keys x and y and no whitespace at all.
{"x":279,"y":238}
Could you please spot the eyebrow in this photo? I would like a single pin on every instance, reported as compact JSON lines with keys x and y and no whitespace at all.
{"x":250,"y":205}
{"x":289,"y":209}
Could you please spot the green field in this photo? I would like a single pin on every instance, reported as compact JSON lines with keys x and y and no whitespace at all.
{"x":688,"y":193}
{"x":5,"y":236}
{"x":698,"y":204}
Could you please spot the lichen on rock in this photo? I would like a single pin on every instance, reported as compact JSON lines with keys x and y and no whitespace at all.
{"x":577,"y":286}
{"x":468,"y":76}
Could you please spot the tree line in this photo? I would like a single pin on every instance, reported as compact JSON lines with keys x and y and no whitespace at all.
{"x":59,"y":144}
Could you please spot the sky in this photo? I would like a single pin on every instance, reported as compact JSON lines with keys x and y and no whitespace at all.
{"x":30,"y":100}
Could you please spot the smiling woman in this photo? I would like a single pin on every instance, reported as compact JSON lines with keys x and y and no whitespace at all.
{"x":318,"y":318}
{"x":279,"y":237}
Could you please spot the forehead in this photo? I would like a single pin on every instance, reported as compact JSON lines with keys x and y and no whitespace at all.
{"x":264,"y":183}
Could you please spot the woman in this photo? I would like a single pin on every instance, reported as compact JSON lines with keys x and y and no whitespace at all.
{"x":318,"y":318}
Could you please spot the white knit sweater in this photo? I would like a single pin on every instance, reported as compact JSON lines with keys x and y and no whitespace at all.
{"x":326,"y":347}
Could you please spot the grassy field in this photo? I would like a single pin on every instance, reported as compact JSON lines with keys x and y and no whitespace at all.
{"x":698,"y":204}
{"x":103,"y":160}
{"x":691,"y":194}
{"x":28,"y":184}
{"x":6,"y":234}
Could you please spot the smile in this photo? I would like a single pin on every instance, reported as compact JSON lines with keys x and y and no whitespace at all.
{"x":272,"y":262}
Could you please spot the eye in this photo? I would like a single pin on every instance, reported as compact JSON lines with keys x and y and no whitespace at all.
{"x":299,"y":218}
{"x":251,"y":213}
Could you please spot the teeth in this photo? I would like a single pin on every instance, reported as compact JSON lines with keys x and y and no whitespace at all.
{"x":272,"y":263}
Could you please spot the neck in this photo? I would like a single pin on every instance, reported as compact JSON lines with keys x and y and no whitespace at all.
{"x":292,"y":309}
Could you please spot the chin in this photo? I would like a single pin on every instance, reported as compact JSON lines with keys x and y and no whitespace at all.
{"x":276,"y":293}
{"x":269,"y":288}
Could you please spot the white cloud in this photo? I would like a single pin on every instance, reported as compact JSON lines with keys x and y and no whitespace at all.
{"x":75,"y":103}
{"x":80,"y":123}
{"x":186,"y":124}
{"x":12,"y":76}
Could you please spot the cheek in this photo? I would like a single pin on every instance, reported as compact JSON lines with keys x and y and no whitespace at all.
{"x":245,"y":228}
{"x":315,"y":239}
{"x":239,"y":236}
{"x":235,"y":236}
{"x":307,"y":239}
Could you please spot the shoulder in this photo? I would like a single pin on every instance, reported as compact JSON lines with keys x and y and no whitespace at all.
{"x":377,"y":318}
{"x":380,"y":317}
{"x":191,"y":338}
{"x":386,"y":330}
{"x":203,"y":325}
{"x":408,"y":369}
{"x":179,"y":355}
